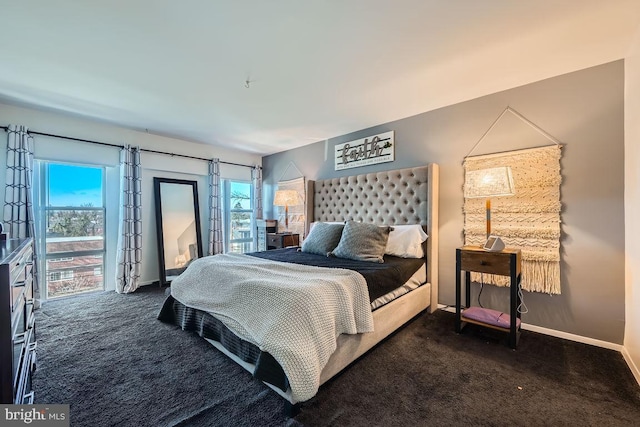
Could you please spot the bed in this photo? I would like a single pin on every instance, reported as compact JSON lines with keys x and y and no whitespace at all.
{"x":396,"y":198}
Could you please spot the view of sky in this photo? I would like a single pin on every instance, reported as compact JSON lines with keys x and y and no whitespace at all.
{"x":71,"y":185}
{"x":242,"y":189}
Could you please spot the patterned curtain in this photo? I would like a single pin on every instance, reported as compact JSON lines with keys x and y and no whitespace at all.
{"x":256,"y":181}
{"x":130,"y":230}
{"x":18,"y":207}
{"x":215,"y":209}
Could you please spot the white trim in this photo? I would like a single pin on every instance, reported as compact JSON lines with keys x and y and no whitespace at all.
{"x":634,"y":368}
{"x":558,"y":334}
{"x":572,"y":337}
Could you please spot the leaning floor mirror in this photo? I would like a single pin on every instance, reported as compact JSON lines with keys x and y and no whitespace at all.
{"x":177,"y":226}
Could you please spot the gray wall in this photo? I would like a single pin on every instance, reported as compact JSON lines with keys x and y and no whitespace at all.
{"x":585,"y":111}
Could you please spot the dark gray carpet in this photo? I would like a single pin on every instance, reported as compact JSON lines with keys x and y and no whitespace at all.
{"x":116,"y":365}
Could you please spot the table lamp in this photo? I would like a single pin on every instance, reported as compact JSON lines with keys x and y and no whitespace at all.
{"x":487,"y":183}
{"x":286,"y":198}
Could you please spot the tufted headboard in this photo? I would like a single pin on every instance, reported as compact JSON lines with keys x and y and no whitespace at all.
{"x":400,"y":196}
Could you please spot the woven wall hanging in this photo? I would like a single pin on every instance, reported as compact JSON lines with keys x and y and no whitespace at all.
{"x":529,"y":220}
{"x":297,"y":215}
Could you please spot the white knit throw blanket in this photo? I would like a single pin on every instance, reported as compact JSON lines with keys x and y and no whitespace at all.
{"x":294,"y":312}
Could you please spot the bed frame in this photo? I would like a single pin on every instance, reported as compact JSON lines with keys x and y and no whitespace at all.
{"x":395,"y":197}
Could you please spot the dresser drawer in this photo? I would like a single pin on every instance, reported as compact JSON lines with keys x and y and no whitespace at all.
{"x":24,"y":393}
{"x":20,"y":269}
{"x":22,"y":284}
{"x":18,"y":317}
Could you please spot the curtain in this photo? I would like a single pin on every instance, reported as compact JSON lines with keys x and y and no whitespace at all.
{"x":18,"y":207}
{"x":130,"y":229}
{"x":528,"y":220}
{"x":215,"y":209}
{"x":256,"y":181}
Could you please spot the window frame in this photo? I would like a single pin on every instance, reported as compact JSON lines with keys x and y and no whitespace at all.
{"x":42,"y":213}
{"x":227,"y":211}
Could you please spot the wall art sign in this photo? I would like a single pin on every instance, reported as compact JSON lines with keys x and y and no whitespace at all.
{"x":366,"y":151}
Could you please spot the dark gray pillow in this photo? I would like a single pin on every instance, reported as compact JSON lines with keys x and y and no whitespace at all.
{"x":362,"y":242}
{"x":323,"y":238}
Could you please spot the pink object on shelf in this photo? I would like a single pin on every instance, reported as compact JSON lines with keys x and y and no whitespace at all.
{"x":490,"y":317}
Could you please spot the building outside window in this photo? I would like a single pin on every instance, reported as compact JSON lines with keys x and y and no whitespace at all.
{"x":56,"y":276}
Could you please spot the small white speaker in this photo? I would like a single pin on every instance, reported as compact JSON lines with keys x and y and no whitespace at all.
{"x":493,"y":244}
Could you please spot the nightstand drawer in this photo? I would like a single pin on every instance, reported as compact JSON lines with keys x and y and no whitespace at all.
{"x":481,"y":261}
{"x":282,"y":240}
{"x":274,"y":241}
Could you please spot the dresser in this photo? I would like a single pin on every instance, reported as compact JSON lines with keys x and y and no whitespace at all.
{"x":17,"y":321}
{"x":265,"y":226}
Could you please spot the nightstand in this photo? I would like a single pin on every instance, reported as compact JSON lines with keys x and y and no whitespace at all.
{"x":507,"y":262}
{"x":282,"y":240}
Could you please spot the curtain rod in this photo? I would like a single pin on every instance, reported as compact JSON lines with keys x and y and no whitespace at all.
{"x":6,"y":129}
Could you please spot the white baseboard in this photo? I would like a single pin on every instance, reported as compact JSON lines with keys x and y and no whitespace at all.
{"x":560,"y":334}
{"x":572,"y":337}
{"x":632,"y":365}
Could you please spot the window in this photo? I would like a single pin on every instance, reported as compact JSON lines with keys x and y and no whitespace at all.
{"x":72,"y":219}
{"x":238,"y":216}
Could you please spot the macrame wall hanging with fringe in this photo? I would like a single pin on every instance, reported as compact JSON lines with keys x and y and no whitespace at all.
{"x":297,"y":215}
{"x":530,"y":219}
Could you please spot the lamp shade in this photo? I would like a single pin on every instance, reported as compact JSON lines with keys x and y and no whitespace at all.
{"x":286,"y":198}
{"x":487,"y":183}
{"x":181,"y":260}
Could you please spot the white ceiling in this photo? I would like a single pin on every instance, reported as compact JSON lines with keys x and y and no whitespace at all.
{"x":317,"y":69}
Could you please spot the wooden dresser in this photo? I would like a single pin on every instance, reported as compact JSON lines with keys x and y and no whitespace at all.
{"x":17,"y":321}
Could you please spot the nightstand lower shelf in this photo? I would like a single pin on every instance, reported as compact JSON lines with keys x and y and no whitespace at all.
{"x":489,"y":318}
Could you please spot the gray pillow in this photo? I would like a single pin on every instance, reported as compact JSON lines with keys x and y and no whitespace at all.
{"x":362,"y":242}
{"x":323,"y":238}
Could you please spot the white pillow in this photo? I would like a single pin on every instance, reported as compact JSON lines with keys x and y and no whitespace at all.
{"x":405,"y":241}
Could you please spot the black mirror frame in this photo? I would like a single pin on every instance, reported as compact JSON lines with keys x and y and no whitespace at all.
{"x":157,"y":181}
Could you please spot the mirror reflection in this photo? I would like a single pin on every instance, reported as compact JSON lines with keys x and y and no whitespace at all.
{"x":178,"y":226}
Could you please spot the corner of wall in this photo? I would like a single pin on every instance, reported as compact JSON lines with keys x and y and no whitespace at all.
{"x":632,"y":365}
{"x":631,"y":349}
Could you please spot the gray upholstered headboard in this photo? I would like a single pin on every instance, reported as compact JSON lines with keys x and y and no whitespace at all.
{"x":400,"y":196}
{"x":390,"y":197}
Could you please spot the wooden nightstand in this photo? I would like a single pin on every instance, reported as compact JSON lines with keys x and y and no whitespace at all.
{"x":282,"y":240}
{"x":507,"y":262}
